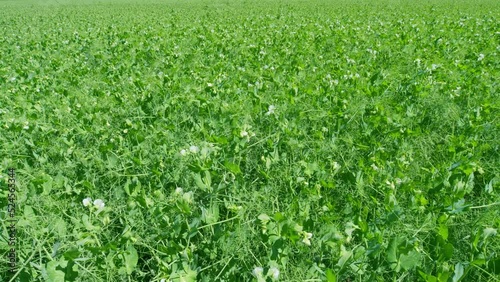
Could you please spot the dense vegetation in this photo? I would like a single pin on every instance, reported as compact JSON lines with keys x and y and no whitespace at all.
{"x":248,"y":140}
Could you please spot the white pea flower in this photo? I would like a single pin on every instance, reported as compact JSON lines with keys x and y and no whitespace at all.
{"x":243,"y":133}
{"x":489,"y":232}
{"x":99,"y":204}
{"x":274,"y":273}
{"x":125,"y":131}
{"x":270,"y":110}
{"x":26,"y":127}
{"x":178,"y":190}
{"x":307,"y":237}
{"x":183,"y":152}
{"x":205,"y":152}
{"x":87,"y":201}
{"x":264,"y":218}
{"x":257,"y":272}
{"x":188,"y":197}
{"x":194,"y":149}
{"x":481,"y":57}
{"x":336,"y":166}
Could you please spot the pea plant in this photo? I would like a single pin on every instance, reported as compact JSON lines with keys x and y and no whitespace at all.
{"x":250,"y":140}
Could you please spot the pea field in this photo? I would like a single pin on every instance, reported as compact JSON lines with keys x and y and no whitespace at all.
{"x":197,"y":140}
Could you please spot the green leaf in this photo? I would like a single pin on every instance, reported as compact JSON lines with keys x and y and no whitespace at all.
{"x":47,"y":187}
{"x":184,"y":275}
{"x":279,"y":216}
{"x":208,"y":179}
{"x":183,"y":206}
{"x":469,"y":186}
{"x":29,"y":212}
{"x":204,"y":183}
{"x":457,"y":207}
{"x":327,"y":184}
{"x":489,"y":187}
{"x":443,"y":231}
{"x":459,"y":272}
{"x":232,"y":167}
{"x":478,"y":262}
{"x":190,"y":276}
{"x":455,"y":165}
{"x":448,"y":251}
{"x":392,"y":250}
{"x":330,"y":276}
{"x":475,"y":242}
{"x":427,"y":277}
{"x":54,"y":275}
{"x":210,"y":215}
{"x":136,"y":185}
{"x":87,"y":223}
{"x":443,"y":276}
{"x":199,"y":182}
{"x":71,"y":254}
{"x":131,"y":259}
{"x":344,"y":256}
{"x":127,"y":187}
{"x":144,"y":200}
{"x":410,"y":260}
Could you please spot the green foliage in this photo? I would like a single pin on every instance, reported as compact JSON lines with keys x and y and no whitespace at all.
{"x":251,"y":141}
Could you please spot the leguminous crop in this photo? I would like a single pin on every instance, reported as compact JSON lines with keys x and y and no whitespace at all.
{"x":274,"y":140}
